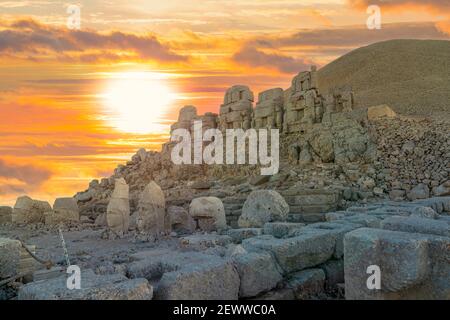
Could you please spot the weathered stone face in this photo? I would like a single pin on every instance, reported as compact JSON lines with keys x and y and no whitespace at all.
{"x":151,"y":210}
{"x":209,"y":213}
{"x":27,"y":210}
{"x":118,"y":210}
{"x":263,"y":206}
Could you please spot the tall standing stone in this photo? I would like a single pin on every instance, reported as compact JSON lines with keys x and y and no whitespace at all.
{"x":118,"y":210}
{"x":151,"y":210}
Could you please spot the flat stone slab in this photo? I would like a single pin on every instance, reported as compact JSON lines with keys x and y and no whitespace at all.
{"x":412,"y":265}
{"x":309,"y":249}
{"x":215,"y":279}
{"x":258,"y":273}
{"x":243,"y":233}
{"x":93,"y":287}
{"x":417,"y":225}
{"x":281,"y":229}
{"x":204,"y":241}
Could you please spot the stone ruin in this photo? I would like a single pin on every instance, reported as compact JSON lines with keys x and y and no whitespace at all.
{"x":236,"y":112}
{"x":355,"y":190}
{"x":269,"y":111}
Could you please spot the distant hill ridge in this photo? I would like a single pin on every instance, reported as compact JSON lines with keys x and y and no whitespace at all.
{"x":412,"y":76}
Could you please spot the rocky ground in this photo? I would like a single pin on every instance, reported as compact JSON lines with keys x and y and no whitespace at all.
{"x":356,"y":189}
{"x":277,"y":261}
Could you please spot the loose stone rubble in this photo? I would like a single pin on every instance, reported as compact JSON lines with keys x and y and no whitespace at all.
{"x":357,"y":187}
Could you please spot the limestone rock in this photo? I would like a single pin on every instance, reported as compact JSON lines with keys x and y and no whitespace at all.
{"x":212,"y":280}
{"x":209,"y":212}
{"x":27,"y":210}
{"x":421,"y":191}
{"x":258,"y":273}
{"x":243,"y":233}
{"x":307,"y":284}
{"x":414,"y":224}
{"x":118,"y":210}
{"x":151,"y":210}
{"x":180,"y":219}
{"x":297,"y":253}
{"x":388,"y":250}
{"x":263,"y":206}
{"x":442,"y":190}
{"x":281,"y":229}
{"x":93,"y":287}
{"x":425,"y":212}
{"x":204,"y":241}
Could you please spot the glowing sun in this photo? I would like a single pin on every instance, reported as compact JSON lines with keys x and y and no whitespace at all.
{"x":137,"y":101}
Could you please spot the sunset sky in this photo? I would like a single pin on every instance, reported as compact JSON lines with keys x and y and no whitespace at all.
{"x":76,"y":103}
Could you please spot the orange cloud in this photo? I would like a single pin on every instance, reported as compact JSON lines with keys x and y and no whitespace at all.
{"x":256,"y":58}
{"x":32,"y":38}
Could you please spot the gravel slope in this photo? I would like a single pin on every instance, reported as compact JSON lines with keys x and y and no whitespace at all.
{"x":412,"y":76}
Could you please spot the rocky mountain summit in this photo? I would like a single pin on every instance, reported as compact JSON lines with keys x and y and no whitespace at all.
{"x":359,"y":187}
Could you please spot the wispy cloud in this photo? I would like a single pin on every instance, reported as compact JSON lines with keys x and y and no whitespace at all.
{"x":256,"y":58}
{"x":26,"y":173}
{"x":33,"y":38}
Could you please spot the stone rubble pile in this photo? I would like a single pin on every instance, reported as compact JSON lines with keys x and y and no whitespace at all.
{"x":415,"y":154}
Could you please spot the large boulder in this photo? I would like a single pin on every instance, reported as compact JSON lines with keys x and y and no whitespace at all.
{"x":64,"y":210}
{"x":412,"y":265}
{"x":118,"y":210}
{"x":180,"y":220}
{"x":442,"y":190}
{"x":209,"y":213}
{"x":421,"y":191}
{"x":27,"y":210}
{"x":306,"y":250}
{"x":263,"y":206}
{"x":151,"y":210}
{"x":215,"y":279}
{"x":258,"y":272}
